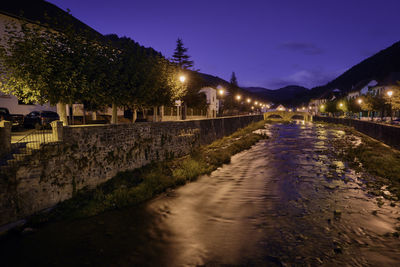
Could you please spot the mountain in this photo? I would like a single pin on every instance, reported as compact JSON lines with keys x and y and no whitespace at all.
{"x":288,"y":95}
{"x":377,"y":67}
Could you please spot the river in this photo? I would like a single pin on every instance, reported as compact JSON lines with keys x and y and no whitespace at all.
{"x":286,"y":201}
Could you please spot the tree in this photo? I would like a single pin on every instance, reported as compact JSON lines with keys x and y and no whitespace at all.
{"x":367,"y":103}
{"x":394,"y":99}
{"x":331,"y":107}
{"x":42,"y":65}
{"x":180,"y":56}
{"x":233,"y":81}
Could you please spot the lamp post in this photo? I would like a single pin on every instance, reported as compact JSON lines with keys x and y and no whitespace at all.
{"x":359,"y":101}
{"x":390,"y":93}
{"x":182,"y":79}
{"x":221,"y":94}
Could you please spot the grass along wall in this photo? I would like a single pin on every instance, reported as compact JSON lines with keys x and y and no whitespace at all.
{"x":91,"y":155}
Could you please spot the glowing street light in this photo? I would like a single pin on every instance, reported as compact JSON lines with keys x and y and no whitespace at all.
{"x":238,"y":97}
{"x":248,"y":100}
{"x":341,"y":105}
{"x":303,"y":108}
{"x":359,"y":101}
{"x":252,"y":107}
{"x":256,"y":103}
{"x":390,"y":93}
{"x":182,"y":78}
{"x":221,"y":91}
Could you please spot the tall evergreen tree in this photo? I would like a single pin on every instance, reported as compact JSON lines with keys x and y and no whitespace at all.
{"x":233,"y":80}
{"x":181,"y":57}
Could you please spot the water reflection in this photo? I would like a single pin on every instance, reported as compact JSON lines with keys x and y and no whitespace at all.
{"x":286,"y":201}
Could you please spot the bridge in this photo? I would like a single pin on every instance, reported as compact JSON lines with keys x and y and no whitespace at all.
{"x":288,"y":115}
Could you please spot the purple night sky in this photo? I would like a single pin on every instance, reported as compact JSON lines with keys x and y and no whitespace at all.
{"x":268,"y":43}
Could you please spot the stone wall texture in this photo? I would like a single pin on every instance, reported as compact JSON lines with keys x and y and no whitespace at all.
{"x":387,"y":134}
{"x":91,"y":155}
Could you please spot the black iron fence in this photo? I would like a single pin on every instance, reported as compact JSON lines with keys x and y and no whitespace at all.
{"x":21,"y":147}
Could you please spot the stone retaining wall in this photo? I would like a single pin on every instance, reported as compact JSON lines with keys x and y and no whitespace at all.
{"x":387,"y":134}
{"x":91,"y":155}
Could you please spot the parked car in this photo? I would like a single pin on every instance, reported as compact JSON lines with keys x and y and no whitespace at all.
{"x":39,"y":119}
{"x":396,"y":122}
{"x":16,"y":119}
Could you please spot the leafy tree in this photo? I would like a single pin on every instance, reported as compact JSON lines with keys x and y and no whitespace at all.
{"x":394,"y":100}
{"x":367,"y":103}
{"x":180,"y":56}
{"x":379,"y":104}
{"x":42,"y":65}
{"x":331,"y":107}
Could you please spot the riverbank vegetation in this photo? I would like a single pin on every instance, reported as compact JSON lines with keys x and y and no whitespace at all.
{"x":133,"y":187}
{"x":374,"y":157}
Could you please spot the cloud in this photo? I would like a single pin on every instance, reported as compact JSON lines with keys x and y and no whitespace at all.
{"x":306,"y":78}
{"x":304,"y":48}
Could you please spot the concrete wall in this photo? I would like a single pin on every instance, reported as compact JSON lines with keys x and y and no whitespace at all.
{"x":91,"y":155}
{"x":387,"y":134}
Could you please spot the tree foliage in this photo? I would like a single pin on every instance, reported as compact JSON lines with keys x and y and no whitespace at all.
{"x":233,"y":81}
{"x":180,"y":56}
{"x":41,"y":65}
{"x":393,"y":100}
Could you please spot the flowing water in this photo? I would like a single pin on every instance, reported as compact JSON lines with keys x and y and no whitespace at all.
{"x":287,"y":201}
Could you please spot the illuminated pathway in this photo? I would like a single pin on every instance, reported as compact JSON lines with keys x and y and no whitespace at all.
{"x":286,"y":201}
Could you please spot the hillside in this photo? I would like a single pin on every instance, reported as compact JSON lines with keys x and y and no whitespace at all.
{"x":288,"y":95}
{"x":375,"y":67}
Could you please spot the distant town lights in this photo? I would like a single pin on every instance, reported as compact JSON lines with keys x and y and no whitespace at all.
{"x":248,"y":100}
{"x":238,"y":97}
{"x":256,"y":103}
{"x":359,"y":101}
{"x":303,"y":108}
{"x":390,"y":93}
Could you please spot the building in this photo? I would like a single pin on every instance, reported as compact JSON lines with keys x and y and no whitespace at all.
{"x":361,"y":88}
{"x":386,"y":84}
{"x":212,"y":102}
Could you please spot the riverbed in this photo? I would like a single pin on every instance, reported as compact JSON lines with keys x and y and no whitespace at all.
{"x":286,"y":201}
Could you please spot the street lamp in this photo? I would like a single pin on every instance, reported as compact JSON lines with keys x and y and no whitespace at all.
{"x":182,"y":78}
{"x":359,"y":101}
{"x":238,"y":97}
{"x":248,"y":100}
{"x":390,"y":93}
{"x":221,"y":92}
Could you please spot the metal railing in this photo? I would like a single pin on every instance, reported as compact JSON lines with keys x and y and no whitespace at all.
{"x":25,"y":145}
